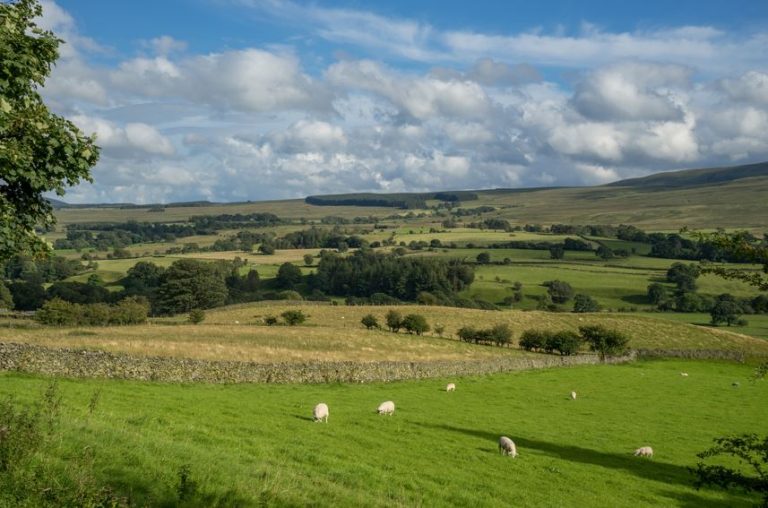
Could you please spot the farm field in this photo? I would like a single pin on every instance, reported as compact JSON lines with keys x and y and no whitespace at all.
{"x":757,"y":323}
{"x":250,"y":445}
{"x":334,"y":333}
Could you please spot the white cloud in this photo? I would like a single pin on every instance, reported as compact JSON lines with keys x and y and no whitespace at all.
{"x":133,"y":136}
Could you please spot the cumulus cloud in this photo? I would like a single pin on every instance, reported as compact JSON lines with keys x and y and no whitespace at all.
{"x":270,"y":122}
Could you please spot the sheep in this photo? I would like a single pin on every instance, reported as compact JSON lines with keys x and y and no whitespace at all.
{"x":684,"y":374}
{"x":507,"y":447}
{"x":644,"y":451}
{"x":386,"y":408}
{"x":573,"y":395}
{"x":450,"y":387}
{"x":321,"y":412}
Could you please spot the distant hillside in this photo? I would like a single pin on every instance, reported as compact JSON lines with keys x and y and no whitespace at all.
{"x":696,"y":177}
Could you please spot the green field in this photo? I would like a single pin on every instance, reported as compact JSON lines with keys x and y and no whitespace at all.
{"x":249,"y":445}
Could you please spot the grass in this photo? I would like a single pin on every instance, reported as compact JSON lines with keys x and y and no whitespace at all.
{"x":757,"y":323}
{"x":250,"y":445}
{"x":334,"y":333}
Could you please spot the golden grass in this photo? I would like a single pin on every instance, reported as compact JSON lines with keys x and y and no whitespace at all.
{"x":334,"y":333}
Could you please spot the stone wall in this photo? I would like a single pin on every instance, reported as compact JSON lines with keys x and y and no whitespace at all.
{"x":80,"y":363}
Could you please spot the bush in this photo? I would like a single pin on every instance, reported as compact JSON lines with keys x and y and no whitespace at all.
{"x":585,"y":303}
{"x":196,"y":316}
{"x":415,"y":323}
{"x":293,"y":317}
{"x":57,"y":312}
{"x":567,"y":343}
{"x":500,"y":334}
{"x":270,"y":320}
{"x":559,"y":291}
{"x":604,"y":341}
{"x":467,"y":334}
{"x":533,"y":340}
{"x":370,"y":322}
{"x":394,"y":320}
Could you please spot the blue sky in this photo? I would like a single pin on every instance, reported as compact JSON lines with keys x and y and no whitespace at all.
{"x":232,"y":100}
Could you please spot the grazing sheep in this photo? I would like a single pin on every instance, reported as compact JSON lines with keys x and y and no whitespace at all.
{"x":450,"y":387}
{"x":321,"y":412}
{"x":507,"y":447}
{"x":684,"y":374}
{"x":573,"y":395}
{"x":644,"y":451}
{"x":386,"y":408}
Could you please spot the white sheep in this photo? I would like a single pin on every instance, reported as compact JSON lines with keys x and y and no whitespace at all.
{"x":644,"y":451}
{"x":684,"y":374}
{"x":507,"y":447}
{"x":450,"y":387}
{"x":386,"y":408}
{"x":573,"y":395}
{"x":321,"y":412}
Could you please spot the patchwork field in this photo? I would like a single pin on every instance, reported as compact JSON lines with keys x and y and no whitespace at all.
{"x":256,"y":445}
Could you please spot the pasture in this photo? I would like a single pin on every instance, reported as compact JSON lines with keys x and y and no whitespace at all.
{"x":334,"y":333}
{"x":249,"y":445}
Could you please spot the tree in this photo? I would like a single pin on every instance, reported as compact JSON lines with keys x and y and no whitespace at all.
{"x":684,"y":276}
{"x":415,"y":323}
{"x":725,"y":311}
{"x":288,"y":275}
{"x":559,"y":291}
{"x":557,"y":251}
{"x":585,"y":303}
{"x":370,"y":322}
{"x":6,"y":298}
{"x":604,"y":341}
{"x":483,"y":258}
{"x":750,"y":450}
{"x":190,"y":284}
{"x":604,"y":252}
{"x":267,"y":249}
{"x":27,"y":295}
{"x":533,"y":340}
{"x":394,"y":320}
{"x":657,"y":293}
{"x":308,"y":258}
{"x":39,"y":151}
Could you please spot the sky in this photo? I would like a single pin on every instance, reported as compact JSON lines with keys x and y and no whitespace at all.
{"x":236,"y":100}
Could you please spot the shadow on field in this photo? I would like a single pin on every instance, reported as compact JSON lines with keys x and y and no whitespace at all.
{"x":635,"y":299}
{"x":651,"y":469}
{"x":305,"y":418}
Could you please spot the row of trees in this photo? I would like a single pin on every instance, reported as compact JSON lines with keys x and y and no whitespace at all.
{"x":128,"y":311}
{"x":600,"y":339}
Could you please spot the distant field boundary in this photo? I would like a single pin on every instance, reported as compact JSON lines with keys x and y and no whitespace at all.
{"x":82,"y":363}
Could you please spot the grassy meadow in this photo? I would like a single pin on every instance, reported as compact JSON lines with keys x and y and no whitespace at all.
{"x":256,"y":445}
{"x":334,"y":333}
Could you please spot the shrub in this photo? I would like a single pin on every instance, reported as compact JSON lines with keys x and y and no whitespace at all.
{"x":483,"y":258}
{"x":415,"y":323}
{"x":308,"y":259}
{"x":559,"y":291}
{"x":500,"y":334}
{"x":533,"y":340}
{"x":439,"y":330}
{"x":585,"y":303}
{"x":467,"y":334}
{"x":567,"y":343}
{"x":196,"y":316}
{"x":394,"y":320}
{"x":293,"y":317}
{"x":370,"y":322}
{"x":604,"y":341}
{"x":270,"y":320}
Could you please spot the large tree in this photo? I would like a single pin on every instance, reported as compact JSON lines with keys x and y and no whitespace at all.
{"x":39,"y":151}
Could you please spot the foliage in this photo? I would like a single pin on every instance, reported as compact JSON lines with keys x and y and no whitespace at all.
{"x":604,"y":341}
{"x":742,"y":246}
{"x":533,"y":340}
{"x":370,"y":322}
{"x":751,"y":451}
{"x":560,"y":291}
{"x":190,"y":284}
{"x":293,"y":317}
{"x":394,"y":320}
{"x":499,"y":334}
{"x":415,"y":323}
{"x":684,"y":276}
{"x":196,"y":316}
{"x":565,"y":342}
{"x":557,"y":251}
{"x":288,"y":276}
{"x":364,"y":273}
{"x":585,"y":303}
{"x":725,"y":311}
{"x":6,"y":298}
{"x":58,"y":312}
{"x":39,"y":151}
{"x":27,"y":295}
{"x":308,"y":259}
{"x":483,"y":258}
